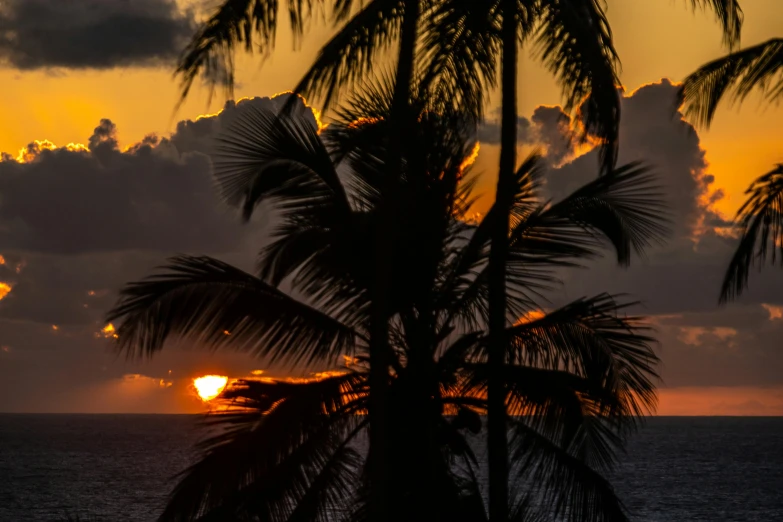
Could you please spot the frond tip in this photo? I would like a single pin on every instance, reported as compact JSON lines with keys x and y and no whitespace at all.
{"x":201,"y":298}
{"x":761,"y":221}
{"x":729,"y":14}
{"x":734,"y":77}
{"x":235,"y":23}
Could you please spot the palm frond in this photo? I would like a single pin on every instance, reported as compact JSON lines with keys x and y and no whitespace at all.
{"x":465,"y":278}
{"x":625,"y":208}
{"x":559,"y":483}
{"x":281,"y":451}
{"x":590,"y":338}
{"x":462,"y":39}
{"x":576,"y":412}
{"x":735,"y":76}
{"x":235,"y":23}
{"x":265,"y":155}
{"x":214,"y":303}
{"x":728,"y":13}
{"x":348,"y":57}
{"x":761,"y":222}
{"x":576,"y":44}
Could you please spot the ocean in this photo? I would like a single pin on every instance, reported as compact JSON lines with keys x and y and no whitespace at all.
{"x":120,"y":467}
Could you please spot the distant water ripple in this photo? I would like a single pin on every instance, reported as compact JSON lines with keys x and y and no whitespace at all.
{"x":120,"y":467}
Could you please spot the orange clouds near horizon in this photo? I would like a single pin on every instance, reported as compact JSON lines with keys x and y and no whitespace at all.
{"x":146,"y":394}
{"x":720,"y":401}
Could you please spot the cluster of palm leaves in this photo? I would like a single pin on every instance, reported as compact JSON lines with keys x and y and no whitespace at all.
{"x":577,"y":376}
{"x":440,"y":314}
{"x":760,"y":218}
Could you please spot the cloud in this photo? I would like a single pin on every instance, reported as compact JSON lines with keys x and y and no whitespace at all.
{"x":72,"y":201}
{"x":489,"y":131}
{"x":77,"y":222}
{"x":158,"y":195}
{"x":701,"y":344}
{"x":92,"y":34}
{"x":549,"y":128}
{"x":723,"y":400}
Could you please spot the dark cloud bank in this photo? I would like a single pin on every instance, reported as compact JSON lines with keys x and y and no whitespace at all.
{"x":91,"y":34}
{"x":77,"y":224}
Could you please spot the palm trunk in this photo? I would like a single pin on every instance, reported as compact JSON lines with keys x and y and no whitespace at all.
{"x":384,"y":247}
{"x":496,"y":391}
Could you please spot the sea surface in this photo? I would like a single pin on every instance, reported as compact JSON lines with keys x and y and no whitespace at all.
{"x":120,"y":467}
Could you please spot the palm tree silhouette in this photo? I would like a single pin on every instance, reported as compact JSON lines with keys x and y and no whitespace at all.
{"x":467,"y":39}
{"x":343,"y":60}
{"x":760,"y":218}
{"x":578,"y":376}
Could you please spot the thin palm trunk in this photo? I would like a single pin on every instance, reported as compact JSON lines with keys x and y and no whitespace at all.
{"x":496,"y":392}
{"x":384,"y":241}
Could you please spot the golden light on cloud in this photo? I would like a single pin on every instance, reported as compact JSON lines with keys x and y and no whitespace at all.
{"x":145,"y":380}
{"x":29,"y":153}
{"x":209,"y":386}
{"x":55,"y":327}
{"x":471,"y":159}
{"x":32,"y":150}
{"x":355,"y":124}
{"x":529,"y":317}
{"x":108,"y":331}
{"x":2,"y":260}
{"x":775,"y":312}
{"x":316,"y":113}
{"x":5,"y":289}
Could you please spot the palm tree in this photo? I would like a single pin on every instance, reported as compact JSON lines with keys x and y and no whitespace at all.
{"x":579,"y":374}
{"x":757,"y":68}
{"x":342,"y":60}
{"x":575,"y":42}
{"x":466,"y":37}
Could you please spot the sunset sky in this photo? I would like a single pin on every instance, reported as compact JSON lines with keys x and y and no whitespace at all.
{"x":75,"y":224}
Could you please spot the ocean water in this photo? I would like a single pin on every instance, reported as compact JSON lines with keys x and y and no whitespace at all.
{"x":120,"y":467}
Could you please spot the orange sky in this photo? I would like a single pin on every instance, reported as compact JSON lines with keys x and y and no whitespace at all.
{"x":655,"y":38}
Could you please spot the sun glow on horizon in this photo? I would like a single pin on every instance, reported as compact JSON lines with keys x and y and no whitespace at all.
{"x":209,"y":386}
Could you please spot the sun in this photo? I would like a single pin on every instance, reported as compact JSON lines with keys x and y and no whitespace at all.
{"x":210,"y":386}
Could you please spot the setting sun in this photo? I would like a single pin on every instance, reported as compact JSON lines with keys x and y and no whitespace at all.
{"x":210,"y":386}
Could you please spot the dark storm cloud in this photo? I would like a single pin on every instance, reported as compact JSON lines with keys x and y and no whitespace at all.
{"x":549,"y":128}
{"x":158,"y":195}
{"x":733,"y":346}
{"x":663,"y":141}
{"x":77,"y":223}
{"x":678,"y":283}
{"x":489,"y":131}
{"x":685,"y":273}
{"x":91,"y":34}
{"x":76,"y":201}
